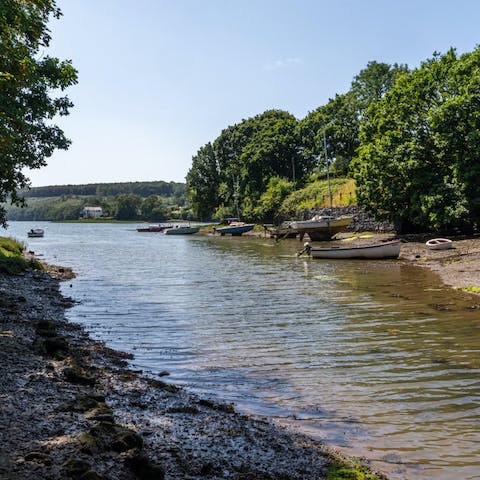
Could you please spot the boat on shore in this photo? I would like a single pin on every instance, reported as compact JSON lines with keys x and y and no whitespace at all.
{"x":388,"y":249}
{"x":234,"y":228}
{"x":284,"y":230}
{"x":35,"y":233}
{"x":178,"y":230}
{"x":439,"y":244}
{"x":321,"y":227}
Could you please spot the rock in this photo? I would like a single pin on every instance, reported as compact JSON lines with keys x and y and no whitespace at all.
{"x":127,"y":440}
{"x":78,"y":376}
{"x":100,"y":413}
{"x":92,"y":475}
{"x":56,"y":346}
{"x":75,"y":467}
{"x":144,"y":468}
{"x":38,"y":457}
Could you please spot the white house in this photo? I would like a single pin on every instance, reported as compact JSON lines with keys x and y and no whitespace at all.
{"x":92,"y":212}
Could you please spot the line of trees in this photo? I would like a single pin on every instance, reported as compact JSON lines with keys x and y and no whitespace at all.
{"x":142,"y":189}
{"x":273,"y":153}
{"x":128,"y":206}
{"x":410,"y":140}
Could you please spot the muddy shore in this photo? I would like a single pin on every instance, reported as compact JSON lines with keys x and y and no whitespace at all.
{"x":72,"y":408}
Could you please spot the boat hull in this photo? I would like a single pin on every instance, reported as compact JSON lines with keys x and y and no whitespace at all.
{"x":321,"y":228}
{"x":235,"y":230}
{"x":181,"y":231}
{"x":35,"y":233}
{"x":376,"y":251}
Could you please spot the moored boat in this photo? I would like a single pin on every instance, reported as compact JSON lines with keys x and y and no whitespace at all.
{"x":153,"y":228}
{"x":35,"y":233}
{"x":439,"y":244}
{"x":178,"y":230}
{"x":234,"y":228}
{"x":389,"y":249}
{"x":321,"y":227}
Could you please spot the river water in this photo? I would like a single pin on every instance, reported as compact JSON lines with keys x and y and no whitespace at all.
{"x":376,"y":358}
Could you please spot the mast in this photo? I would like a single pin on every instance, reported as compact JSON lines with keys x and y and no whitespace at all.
{"x":328,"y":167}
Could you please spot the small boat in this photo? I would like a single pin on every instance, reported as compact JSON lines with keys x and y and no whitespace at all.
{"x":234,"y":228}
{"x":439,"y":244}
{"x":152,"y":228}
{"x":284,"y":230}
{"x":389,"y":249}
{"x":181,"y":230}
{"x":321,"y":227}
{"x":35,"y":233}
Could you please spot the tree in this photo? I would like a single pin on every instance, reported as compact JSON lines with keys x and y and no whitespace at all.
{"x":419,"y":158}
{"x":340,"y":118}
{"x":27,"y":105}
{"x":128,"y":206}
{"x":152,"y":209}
{"x":374,"y":81}
{"x":203,"y":183}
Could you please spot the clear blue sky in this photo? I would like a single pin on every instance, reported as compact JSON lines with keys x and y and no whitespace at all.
{"x":160,"y":78}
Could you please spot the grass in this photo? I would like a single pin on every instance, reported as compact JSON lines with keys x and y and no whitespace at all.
{"x":11,"y":257}
{"x":349,"y":469}
{"x":469,"y":289}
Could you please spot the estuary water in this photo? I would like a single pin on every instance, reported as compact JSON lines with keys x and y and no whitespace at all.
{"x":376,"y":358}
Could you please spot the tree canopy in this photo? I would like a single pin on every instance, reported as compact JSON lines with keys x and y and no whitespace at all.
{"x":419,"y":154}
{"x":28,"y":79}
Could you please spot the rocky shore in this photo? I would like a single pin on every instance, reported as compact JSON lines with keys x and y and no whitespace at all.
{"x":72,"y":408}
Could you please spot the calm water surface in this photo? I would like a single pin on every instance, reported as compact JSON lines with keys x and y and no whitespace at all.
{"x":373,"y":357}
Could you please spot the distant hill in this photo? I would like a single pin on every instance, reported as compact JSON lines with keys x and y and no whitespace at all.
{"x":142,"y":189}
{"x":65,"y":202}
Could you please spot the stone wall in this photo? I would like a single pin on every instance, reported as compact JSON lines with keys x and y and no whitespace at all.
{"x":362,"y":221}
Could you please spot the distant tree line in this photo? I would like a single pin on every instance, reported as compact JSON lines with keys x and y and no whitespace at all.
{"x":142,"y":189}
{"x":409,"y":139}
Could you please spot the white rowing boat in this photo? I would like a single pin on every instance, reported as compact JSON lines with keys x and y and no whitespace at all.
{"x":382,"y":250}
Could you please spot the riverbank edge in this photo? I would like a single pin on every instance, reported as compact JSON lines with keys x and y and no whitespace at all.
{"x":74,"y":408}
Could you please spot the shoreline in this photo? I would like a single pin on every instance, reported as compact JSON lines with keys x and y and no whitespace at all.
{"x":73,"y":408}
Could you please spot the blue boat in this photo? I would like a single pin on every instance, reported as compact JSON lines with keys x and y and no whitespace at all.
{"x":235,"y":228}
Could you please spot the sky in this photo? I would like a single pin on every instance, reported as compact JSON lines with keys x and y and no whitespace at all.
{"x":158,"y":79}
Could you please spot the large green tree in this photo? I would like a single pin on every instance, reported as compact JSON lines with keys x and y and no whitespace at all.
{"x":419,"y":158}
{"x":28,"y":103}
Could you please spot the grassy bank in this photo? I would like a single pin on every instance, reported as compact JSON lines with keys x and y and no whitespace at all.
{"x":12,"y":260}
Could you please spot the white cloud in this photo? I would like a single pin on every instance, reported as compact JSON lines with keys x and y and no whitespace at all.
{"x":283,"y":63}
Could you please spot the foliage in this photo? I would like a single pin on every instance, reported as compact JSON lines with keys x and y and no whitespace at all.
{"x":127,"y":206}
{"x":153,"y":209}
{"x":11,"y":259}
{"x":142,"y":189}
{"x":419,"y":162}
{"x":203,"y":181}
{"x":349,"y":470}
{"x":340,"y":118}
{"x":28,"y":79}
{"x":231,"y":174}
{"x":269,"y":205}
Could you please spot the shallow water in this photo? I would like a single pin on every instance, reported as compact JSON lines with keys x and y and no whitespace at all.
{"x":373,"y":357}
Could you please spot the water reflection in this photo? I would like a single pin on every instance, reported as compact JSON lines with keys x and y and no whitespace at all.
{"x":376,"y":357}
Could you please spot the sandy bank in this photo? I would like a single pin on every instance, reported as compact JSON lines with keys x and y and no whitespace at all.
{"x":71,"y":408}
